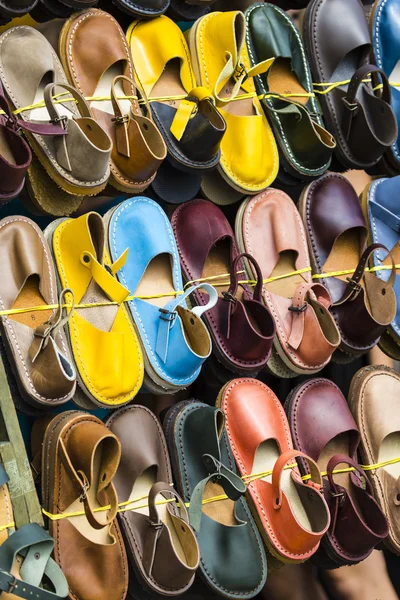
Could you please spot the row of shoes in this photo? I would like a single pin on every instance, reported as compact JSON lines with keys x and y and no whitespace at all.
{"x":229,"y":105}
{"x":256,"y":483}
{"x":132,"y":300}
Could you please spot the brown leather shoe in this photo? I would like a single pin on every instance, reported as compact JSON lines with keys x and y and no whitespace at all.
{"x":35,"y":342}
{"x":161,"y":546}
{"x":79,"y":460}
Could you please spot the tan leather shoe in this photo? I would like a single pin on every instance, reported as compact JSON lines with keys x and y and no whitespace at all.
{"x":35,"y":341}
{"x":80,"y":457}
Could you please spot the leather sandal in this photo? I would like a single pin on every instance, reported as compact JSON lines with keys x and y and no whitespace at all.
{"x":269,"y":228}
{"x":192,"y":126}
{"x":305,"y":146}
{"x":322,"y":426}
{"x":356,"y":113}
{"x":72,"y":148}
{"x":102,"y":340}
{"x":80,"y":458}
{"x":242,"y":328}
{"x":12,"y":9}
{"x":373,"y":400}
{"x":292,"y":515}
{"x":249,"y":155}
{"x":363,"y":303}
{"x":189,"y":10}
{"x":174,"y":339}
{"x":162,"y":548}
{"x":95,"y":38}
{"x":34,"y":341}
{"x":204,"y":467}
{"x":383,"y":217}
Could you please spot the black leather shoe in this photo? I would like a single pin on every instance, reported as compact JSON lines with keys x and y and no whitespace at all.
{"x":142,"y":8}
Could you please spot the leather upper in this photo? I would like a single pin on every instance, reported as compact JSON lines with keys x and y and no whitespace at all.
{"x":341,"y":54}
{"x":154,"y":555}
{"x":249,"y":156}
{"x":104,"y":344}
{"x":143,"y":8}
{"x":324,"y":227}
{"x":298,"y":128}
{"x":255,"y":416}
{"x":198,"y":227}
{"x":271,"y":225}
{"x":318,"y":413}
{"x":242,"y":573}
{"x":46,"y":376}
{"x":156,"y":45}
{"x":175,"y":348}
{"x":375,"y":409}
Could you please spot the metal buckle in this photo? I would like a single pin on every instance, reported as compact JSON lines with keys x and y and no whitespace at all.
{"x":337,"y":494}
{"x":85,"y":488}
{"x":229,"y":297}
{"x":63,"y":120}
{"x":355,"y":287}
{"x":121,"y":120}
{"x":11,"y":584}
{"x":350,"y":105}
{"x":167,"y":315}
{"x":157,"y":526}
{"x":239,"y":72}
{"x":298,"y":309}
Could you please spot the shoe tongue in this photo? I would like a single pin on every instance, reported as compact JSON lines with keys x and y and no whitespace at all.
{"x":95,"y":452}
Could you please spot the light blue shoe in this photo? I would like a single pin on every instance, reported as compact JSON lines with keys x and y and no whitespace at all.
{"x":381,"y":203}
{"x":174,"y":339}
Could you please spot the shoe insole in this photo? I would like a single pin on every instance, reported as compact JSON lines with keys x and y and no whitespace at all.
{"x":141,"y":489}
{"x":222,"y":511}
{"x":157,"y":279}
{"x":29,"y":297}
{"x":339,"y":445}
{"x":345,"y":254}
{"x":287,"y":286}
{"x":240,"y":108}
{"x":5,"y":150}
{"x":97,"y":536}
{"x":389,"y":450}
{"x":395,"y":74}
{"x":265,"y":458}
{"x":282,"y":80}
{"x":169,"y":84}
{"x":103,"y":90}
{"x":102,"y":317}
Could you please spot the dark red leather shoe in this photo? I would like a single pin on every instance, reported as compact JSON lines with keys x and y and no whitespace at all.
{"x":242,"y":328}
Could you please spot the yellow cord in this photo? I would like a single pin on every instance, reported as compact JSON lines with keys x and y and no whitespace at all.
{"x":351,"y":271}
{"x":251,"y":282}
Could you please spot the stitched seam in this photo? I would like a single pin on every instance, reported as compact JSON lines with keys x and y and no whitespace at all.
{"x":86,"y":417}
{"x":202,"y":302}
{"x":367,"y":443}
{"x":132,"y":303}
{"x":189,"y":410}
{"x":253,"y":485}
{"x":309,"y":83}
{"x":38,"y":137}
{"x":268,"y":299}
{"x":379,"y":56}
{"x":72,"y":326}
{"x":377,"y":252}
{"x":146,"y":10}
{"x":7,"y":321}
{"x":267,"y":127}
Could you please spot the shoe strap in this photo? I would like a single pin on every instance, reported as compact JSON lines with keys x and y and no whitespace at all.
{"x":279,"y":467}
{"x":300,"y":306}
{"x":104,"y":276}
{"x":239,"y":72}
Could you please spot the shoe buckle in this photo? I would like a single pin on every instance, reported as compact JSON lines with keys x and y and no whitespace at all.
{"x":229,"y":297}
{"x":167,"y":315}
{"x":11,"y":584}
{"x":85,"y":487}
{"x":298,"y":309}
{"x":121,"y":120}
{"x":353,"y":106}
{"x":354,"y":286}
{"x":240,"y":71}
{"x":62,"y":120}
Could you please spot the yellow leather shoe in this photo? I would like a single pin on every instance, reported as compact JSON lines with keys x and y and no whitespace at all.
{"x":104,"y":345}
{"x":190,"y":123}
{"x":249,"y":155}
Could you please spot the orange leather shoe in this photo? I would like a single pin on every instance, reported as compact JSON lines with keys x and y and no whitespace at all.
{"x":291,"y":514}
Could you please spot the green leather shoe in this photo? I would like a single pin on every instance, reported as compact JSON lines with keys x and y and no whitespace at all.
{"x":305,"y":146}
{"x":233,"y":561}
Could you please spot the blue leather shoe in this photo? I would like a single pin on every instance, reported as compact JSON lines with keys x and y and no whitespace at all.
{"x":174,"y":339}
{"x":385,"y":29}
{"x":381,"y":209}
